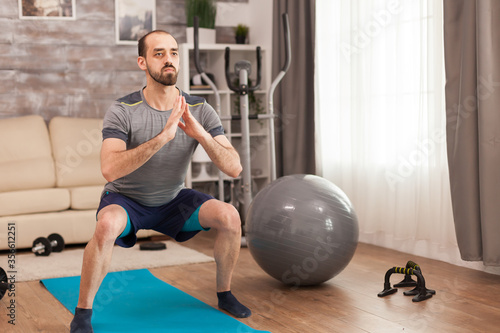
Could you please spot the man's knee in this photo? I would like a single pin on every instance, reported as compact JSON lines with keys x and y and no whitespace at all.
{"x":221,"y":216}
{"x":111,"y":221}
{"x":230,"y":218}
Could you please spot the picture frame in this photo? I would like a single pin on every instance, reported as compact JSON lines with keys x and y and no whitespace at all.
{"x":133,"y":19}
{"x":47,"y":9}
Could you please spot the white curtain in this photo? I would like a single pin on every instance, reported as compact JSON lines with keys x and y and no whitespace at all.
{"x":381,"y":120}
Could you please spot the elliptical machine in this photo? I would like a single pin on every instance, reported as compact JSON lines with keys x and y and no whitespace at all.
{"x":243,"y":70}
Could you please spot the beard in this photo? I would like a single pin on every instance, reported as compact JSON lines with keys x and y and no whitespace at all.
{"x":165,"y":78}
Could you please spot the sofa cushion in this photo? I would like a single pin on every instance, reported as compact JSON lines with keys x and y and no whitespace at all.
{"x":85,"y":197}
{"x":25,"y":154}
{"x":76,"y":145}
{"x":34,"y":201}
{"x":76,"y":227}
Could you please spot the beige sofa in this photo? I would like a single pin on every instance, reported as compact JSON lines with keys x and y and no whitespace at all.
{"x":50,"y":179}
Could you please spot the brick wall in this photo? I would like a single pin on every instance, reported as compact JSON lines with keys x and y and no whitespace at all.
{"x":71,"y":68}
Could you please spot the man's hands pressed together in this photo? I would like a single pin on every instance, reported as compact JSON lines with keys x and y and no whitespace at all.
{"x":174,"y":121}
{"x":191,"y":126}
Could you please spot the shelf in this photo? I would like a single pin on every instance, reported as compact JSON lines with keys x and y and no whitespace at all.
{"x":238,"y":135}
{"x":226,"y":178}
{"x":222,"y":47}
{"x":209,"y":179}
{"x":207,"y":92}
{"x":221,"y":92}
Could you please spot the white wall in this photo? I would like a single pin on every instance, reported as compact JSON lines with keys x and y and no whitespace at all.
{"x":256,"y":14}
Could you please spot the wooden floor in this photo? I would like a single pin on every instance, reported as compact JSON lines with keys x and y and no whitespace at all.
{"x":466,"y":300}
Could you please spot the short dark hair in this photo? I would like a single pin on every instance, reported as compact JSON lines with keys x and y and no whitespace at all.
{"x":142,"y":42}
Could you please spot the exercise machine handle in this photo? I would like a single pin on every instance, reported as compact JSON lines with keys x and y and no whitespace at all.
{"x":200,"y":70}
{"x":288,"y":60}
{"x":274,"y":84}
{"x":237,"y":88}
{"x":259,"y":68}
{"x":230,"y":84}
{"x":196,"y":46}
{"x":288,"y":49}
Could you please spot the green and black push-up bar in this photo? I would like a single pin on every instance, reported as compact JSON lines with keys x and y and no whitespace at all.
{"x":420,"y":292}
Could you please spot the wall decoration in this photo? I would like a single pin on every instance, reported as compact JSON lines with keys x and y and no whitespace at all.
{"x":47,"y":9}
{"x":134,"y":19}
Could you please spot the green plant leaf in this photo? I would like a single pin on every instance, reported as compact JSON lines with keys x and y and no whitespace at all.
{"x":206,"y":10}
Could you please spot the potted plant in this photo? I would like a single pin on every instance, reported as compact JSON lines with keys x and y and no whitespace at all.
{"x":206,"y":10}
{"x":241,"y":33}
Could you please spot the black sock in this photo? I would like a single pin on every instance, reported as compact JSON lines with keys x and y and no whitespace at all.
{"x":229,"y":303}
{"x":81,"y":321}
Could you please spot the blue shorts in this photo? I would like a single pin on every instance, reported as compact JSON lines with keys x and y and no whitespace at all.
{"x":168,"y":219}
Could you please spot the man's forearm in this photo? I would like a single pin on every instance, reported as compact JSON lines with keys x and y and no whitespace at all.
{"x":117,"y":164}
{"x":226,"y":158}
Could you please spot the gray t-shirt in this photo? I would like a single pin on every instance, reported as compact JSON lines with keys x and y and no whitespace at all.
{"x":161,"y":178}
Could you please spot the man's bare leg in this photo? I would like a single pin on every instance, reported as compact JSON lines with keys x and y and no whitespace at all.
{"x":111,"y":222}
{"x":224,"y":218}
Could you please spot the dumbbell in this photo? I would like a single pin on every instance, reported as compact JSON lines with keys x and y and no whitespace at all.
{"x":3,"y":283}
{"x":45,"y":246}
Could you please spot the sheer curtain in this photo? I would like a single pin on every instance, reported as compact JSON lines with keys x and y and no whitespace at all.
{"x":381,"y":121}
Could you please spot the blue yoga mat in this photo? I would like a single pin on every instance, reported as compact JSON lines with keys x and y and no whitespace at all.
{"x":137,"y":301}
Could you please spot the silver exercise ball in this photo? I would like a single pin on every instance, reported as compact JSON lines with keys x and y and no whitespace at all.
{"x":302,"y":230}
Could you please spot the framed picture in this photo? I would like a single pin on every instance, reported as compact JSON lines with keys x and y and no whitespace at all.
{"x":47,"y":9}
{"x":134,"y":19}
